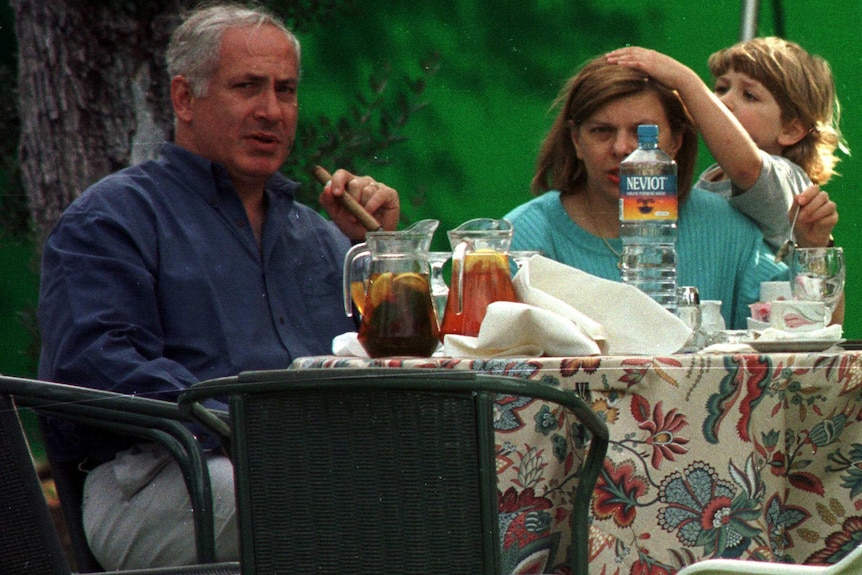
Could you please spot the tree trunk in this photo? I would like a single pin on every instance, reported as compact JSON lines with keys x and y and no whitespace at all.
{"x":93,"y":94}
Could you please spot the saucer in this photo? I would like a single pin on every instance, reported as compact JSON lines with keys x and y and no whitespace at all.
{"x":792,"y":345}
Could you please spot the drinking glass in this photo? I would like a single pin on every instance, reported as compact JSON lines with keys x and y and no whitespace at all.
{"x":817,"y":274}
{"x":439,"y":288}
{"x":711,"y":322}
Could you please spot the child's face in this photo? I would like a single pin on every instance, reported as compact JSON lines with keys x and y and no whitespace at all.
{"x":756,"y":109}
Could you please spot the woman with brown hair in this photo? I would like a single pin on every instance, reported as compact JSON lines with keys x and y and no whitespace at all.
{"x":575,"y":218}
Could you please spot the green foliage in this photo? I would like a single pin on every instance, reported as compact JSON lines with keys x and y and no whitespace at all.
{"x":355,"y":136}
{"x":302,"y":15}
{"x":371,"y":125}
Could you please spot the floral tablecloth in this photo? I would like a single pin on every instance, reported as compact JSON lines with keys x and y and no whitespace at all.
{"x":743,"y":456}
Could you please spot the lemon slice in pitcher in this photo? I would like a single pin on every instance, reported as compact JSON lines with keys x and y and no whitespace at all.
{"x":410,"y":280}
{"x":484,"y":260}
{"x":380,"y":288}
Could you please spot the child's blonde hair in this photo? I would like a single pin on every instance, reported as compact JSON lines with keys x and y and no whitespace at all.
{"x":803,"y":86}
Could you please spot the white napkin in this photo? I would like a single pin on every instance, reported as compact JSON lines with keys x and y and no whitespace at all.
{"x":727,"y":348}
{"x":828,"y":333}
{"x":512,"y":329}
{"x":347,"y":345}
{"x":621,"y":318}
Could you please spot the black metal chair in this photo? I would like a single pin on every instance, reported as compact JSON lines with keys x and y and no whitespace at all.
{"x":29,"y":542}
{"x":377,"y":471}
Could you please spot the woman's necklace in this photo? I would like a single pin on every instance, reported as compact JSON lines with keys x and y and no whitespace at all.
{"x":615,"y":252}
{"x":590,"y":212}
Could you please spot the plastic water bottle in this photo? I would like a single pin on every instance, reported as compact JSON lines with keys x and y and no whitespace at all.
{"x":648,"y":214}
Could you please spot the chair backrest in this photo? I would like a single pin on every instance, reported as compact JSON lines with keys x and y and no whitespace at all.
{"x":373,"y":471}
{"x":28,"y":539}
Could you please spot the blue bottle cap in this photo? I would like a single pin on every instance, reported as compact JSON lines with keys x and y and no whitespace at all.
{"x":648,"y":132}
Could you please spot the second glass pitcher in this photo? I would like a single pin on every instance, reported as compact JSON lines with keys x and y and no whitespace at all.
{"x":480,"y":273}
{"x":398,"y":316}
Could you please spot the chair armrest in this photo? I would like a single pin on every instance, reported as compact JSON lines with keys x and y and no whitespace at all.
{"x":154,"y":420}
{"x":189,"y":404}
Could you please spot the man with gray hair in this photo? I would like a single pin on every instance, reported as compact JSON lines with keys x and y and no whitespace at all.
{"x":197,"y":265}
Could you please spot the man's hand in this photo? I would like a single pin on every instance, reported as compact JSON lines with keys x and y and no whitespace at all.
{"x":379,"y":200}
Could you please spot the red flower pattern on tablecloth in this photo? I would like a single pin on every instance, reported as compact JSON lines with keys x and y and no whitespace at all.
{"x":520,"y":504}
{"x":571,"y":366}
{"x":617,"y":492}
{"x":840,"y":543}
{"x":663,"y":430}
{"x":644,"y":566}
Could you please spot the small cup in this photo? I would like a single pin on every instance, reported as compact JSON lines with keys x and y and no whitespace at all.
{"x":797,"y":315}
{"x":710,"y":313}
{"x":775,"y":291}
{"x":711,"y":321}
{"x":760,"y":311}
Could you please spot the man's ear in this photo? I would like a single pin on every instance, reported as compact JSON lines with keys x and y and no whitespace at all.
{"x":791,"y":132}
{"x":182,"y":98}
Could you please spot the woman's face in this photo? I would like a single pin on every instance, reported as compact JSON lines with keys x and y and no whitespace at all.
{"x":610,"y":134}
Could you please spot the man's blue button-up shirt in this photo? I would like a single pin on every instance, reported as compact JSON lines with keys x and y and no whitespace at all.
{"x":153,"y":280}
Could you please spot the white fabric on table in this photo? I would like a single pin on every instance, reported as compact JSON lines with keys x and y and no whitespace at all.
{"x":622,"y":319}
{"x":514,"y":329}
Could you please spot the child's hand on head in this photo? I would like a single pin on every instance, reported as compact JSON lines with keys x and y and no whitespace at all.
{"x":817,"y":217}
{"x":664,"y":69}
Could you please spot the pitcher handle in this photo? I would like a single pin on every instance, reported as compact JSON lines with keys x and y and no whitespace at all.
{"x":353,"y":253}
{"x":459,"y":255}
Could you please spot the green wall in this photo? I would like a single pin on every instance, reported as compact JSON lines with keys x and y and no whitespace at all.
{"x":470,"y":152}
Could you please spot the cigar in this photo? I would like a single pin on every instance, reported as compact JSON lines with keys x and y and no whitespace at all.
{"x":349,"y":202}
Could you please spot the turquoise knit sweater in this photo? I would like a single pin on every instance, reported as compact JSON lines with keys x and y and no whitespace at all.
{"x":719,"y":250}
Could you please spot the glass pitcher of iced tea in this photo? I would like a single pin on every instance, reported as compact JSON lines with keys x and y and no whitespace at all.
{"x":480,"y":273}
{"x":398,"y":317}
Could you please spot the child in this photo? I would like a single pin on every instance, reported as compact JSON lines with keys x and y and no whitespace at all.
{"x":771,"y":125}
